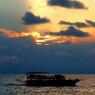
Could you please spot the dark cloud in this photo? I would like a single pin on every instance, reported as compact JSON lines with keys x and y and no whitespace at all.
{"x":63,"y":58}
{"x":91,"y":23}
{"x":81,"y":24}
{"x":9,"y":36}
{"x":65,"y":22}
{"x":71,"y":31}
{"x":77,"y":24}
{"x":67,"y":4}
{"x":20,"y":55}
{"x":30,"y":18}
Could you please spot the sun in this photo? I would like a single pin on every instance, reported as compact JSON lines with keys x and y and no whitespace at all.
{"x":36,"y":34}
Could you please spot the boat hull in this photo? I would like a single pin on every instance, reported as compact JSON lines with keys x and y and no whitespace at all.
{"x":51,"y":82}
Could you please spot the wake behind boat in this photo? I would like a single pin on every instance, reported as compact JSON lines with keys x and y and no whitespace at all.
{"x":46,"y":79}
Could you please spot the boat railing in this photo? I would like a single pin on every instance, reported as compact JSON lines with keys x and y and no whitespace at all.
{"x":36,"y":73}
{"x":41,"y":76}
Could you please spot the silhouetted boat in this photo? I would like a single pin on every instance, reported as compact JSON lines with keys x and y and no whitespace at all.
{"x":45,"y":79}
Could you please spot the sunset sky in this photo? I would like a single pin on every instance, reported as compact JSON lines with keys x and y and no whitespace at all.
{"x":47,"y":35}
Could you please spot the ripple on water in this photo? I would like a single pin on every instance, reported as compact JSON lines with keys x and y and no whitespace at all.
{"x":85,"y":87}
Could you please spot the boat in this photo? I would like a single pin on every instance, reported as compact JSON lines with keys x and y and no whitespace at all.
{"x":46,"y":79}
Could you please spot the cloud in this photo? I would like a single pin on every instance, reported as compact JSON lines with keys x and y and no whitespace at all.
{"x":67,"y":3}
{"x":5,"y":33}
{"x":77,"y":24}
{"x":14,"y":59}
{"x":61,"y":58}
{"x":30,"y":18}
{"x":67,"y":23}
{"x":7,"y":36}
{"x":10,"y":34}
{"x":81,"y":24}
{"x":71,"y":31}
{"x":90,"y":23}
{"x":71,"y":35}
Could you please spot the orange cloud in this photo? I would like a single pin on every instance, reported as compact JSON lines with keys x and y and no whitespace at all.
{"x":46,"y":39}
{"x":10,"y":34}
{"x":62,"y":40}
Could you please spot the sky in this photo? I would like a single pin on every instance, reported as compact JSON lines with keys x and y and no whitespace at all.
{"x":56,"y":36}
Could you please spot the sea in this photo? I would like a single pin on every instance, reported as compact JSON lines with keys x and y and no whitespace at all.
{"x":13,"y":84}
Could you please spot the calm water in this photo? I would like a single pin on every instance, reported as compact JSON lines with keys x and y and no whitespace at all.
{"x":13,"y":85}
